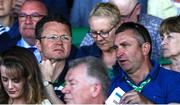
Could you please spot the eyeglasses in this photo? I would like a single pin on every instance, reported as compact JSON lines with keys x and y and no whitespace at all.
{"x":94,"y":34}
{"x":63,"y":38}
{"x":34,"y":16}
{"x":128,"y":16}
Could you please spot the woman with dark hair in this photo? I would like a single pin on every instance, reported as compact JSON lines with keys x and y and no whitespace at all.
{"x":20,"y":78}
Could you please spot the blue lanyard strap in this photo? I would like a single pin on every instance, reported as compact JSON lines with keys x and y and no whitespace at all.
{"x":138,"y":88}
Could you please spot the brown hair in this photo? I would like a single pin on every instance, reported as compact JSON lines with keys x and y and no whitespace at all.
{"x":22,"y":64}
{"x":171,"y":24}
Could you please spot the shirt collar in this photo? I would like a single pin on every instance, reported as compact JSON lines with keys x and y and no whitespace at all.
{"x":23,"y":43}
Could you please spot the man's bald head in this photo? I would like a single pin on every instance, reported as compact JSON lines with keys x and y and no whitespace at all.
{"x":124,"y":6}
{"x":129,"y":9}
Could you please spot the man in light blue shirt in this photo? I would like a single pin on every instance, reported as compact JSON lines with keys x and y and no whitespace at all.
{"x":31,"y":12}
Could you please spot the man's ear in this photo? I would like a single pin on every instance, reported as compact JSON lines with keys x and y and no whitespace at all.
{"x":38,"y":45}
{"x":96,"y":90}
{"x":146,"y":48}
{"x":138,"y":9}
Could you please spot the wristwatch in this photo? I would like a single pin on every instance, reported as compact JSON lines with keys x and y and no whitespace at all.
{"x":47,"y":83}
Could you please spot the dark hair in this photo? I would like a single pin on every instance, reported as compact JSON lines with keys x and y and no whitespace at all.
{"x":50,"y":18}
{"x":139,"y":30}
{"x":21,"y":63}
{"x":95,"y":69}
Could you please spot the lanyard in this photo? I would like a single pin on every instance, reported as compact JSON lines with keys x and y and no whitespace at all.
{"x":138,"y":88}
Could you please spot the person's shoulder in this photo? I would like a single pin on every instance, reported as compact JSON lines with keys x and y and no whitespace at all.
{"x":89,"y":47}
{"x":143,"y":15}
{"x":83,"y":51}
{"x":163,"y":73}
{"x":149,"y":18}
{"x":169,"y":73}
{"x":119,"y":73}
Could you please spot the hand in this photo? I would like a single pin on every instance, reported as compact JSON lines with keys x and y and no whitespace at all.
{"x":134,"y":97}
{"x":47,"y":68}
{"x":16,"y":6}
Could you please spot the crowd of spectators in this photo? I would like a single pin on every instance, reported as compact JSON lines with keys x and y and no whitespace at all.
{"x":124,"y":47}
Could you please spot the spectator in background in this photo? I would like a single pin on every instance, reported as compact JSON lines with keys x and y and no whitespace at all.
{"x":8,"y":25}
{"x":170,"y":31}
{"x":103,"y":21}
{"x":87,"y":82}
{"x":143,"y":80}
{"x":6,"y":18}
{"x":21,"y":81}
{"x":31,"y":12}
{"x":80,"y":12}
{"x":164,"y":8}
{"x":130,"y":11}
{"x":53,"y":34}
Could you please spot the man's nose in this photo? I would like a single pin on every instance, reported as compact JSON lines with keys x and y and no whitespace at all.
{"x":28,"y":19}
{"x":66,"y":89}
{"x":119,"y":52}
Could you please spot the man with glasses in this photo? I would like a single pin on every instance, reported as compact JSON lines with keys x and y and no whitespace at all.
{"x":130,"y":12}
{"x":30,"y":13}
{"x":53,"y":39}
{"x":23,"y":34}
{"x":103,"y":20}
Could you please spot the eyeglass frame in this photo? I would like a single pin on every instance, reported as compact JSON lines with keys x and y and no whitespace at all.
{"x":100,"y":33}
{"x":129,"y":15}
{"x":54,"y":37}
{"x":23,"y":16}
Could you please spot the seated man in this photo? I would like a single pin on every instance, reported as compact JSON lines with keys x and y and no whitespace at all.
{"x":143,"y":81}
{"x":30,"y":13}
{"x":87,"y":82}
{"x":53,"y":40}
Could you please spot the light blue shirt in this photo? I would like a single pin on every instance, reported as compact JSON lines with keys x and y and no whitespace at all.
{"x":23,"y":43}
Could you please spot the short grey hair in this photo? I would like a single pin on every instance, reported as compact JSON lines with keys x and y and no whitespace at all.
{"x":96,"y":69}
